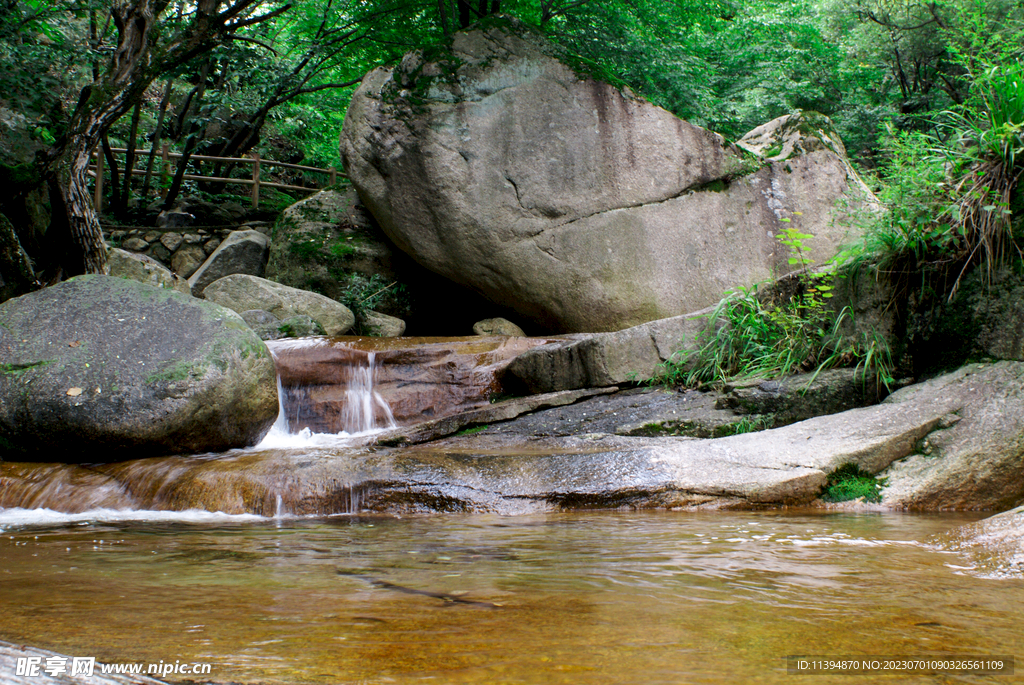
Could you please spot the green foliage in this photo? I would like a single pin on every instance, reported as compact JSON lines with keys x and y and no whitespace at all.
{"x":953,"y":194}
{"x":363,"y":293}
{"x":473,"y":430}
{"x":850,"y":482}
{"x":755,"y":339}
{"x":750,"y":338}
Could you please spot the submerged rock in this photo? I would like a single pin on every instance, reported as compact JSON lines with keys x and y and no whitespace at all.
{"x":576,"y":204}
{"x":99,"y":368}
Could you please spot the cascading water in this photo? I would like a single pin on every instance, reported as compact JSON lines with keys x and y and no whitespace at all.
{"x":364,"y":411}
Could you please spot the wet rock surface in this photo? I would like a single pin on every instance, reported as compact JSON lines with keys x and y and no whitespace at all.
{"x":804,"y":396}
{"x":509,"y":473}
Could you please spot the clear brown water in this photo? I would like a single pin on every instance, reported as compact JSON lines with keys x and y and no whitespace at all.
{"x":589,"y":597}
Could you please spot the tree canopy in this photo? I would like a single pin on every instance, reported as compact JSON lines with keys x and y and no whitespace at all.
{"x":229,"y":77}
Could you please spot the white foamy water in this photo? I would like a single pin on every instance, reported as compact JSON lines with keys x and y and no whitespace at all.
{"x":18,"y":517}
{"x":365,"y":414}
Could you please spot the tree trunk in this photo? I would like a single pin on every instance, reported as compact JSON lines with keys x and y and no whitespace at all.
{"x":157,"y":135}
{"x":133,"y":66}
{"x":129,"y":157}
{"x":116,"y":203}
{"x":82,"y":223}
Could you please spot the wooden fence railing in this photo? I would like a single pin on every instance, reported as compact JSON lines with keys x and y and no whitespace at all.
{"x":96,"y":171}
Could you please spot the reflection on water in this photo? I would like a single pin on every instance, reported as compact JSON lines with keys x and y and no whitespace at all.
{"x":598,"y":597}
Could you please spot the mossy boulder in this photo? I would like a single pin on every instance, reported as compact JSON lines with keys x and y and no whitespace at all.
{"x":99,"y":368}
{"x":241,"y":293}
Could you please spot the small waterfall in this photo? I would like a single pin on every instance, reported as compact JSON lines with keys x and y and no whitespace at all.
{"x":362,"y":411}
{"x":365,"y":410}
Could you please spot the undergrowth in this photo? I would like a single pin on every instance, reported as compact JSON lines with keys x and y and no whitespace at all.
{"x":750,"y":338}
{"x":850,"y":482}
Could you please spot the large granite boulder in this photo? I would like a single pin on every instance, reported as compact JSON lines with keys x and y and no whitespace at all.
{"x":578,"y":205}
{"x":242,"y":293}
{"x":242,"y":252}
{"x":100,"y":368}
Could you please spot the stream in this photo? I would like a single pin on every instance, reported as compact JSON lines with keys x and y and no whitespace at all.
{"x":97,"y":562}
{"x":587,"y":597}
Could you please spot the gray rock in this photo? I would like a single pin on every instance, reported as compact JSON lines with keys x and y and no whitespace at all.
{"x":804,"y":396}
{"x":136,"y":244}
{"x":242,"y":252}
{"x":258,"y":317}
{"x":500,"y":411}
{"x":187,"y":259}
{"x":171,"y":240}
{"x":381,"y":325}
{"x":602,"y":359}
{"x":211,"y":245}
{"x":974,"y":459}
{"x":299,"y":326}
{"x":175,"y":218}
{"x":99,"y":368}
{"x":137,"y":267}
{"x":241,"y":292}
{"x":16,"y":273}
{"x":160,"y":253}
{"x":497,"y":326}
{"x":641,"y":412}
{"x":263,"y":323}
{"x":498,"y":167}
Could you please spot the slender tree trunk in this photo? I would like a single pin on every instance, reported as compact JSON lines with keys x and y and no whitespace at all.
{"x":157,"y":135}
{"x":442,"y":9}
{"x":83,"y":225}
{"x":115,"y":191}
{"x":129,"y":156}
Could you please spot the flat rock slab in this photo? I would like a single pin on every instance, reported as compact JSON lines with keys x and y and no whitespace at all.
{"x":501,"y":411}
{"x":642,"y":412}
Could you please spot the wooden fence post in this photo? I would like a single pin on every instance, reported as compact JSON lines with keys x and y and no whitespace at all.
{"x":256,"y":181}
{"x":97,"y":200}
{"x":334,"y":175}
{"x":165,"y":168}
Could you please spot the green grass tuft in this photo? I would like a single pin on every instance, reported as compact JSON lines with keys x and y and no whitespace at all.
{"x":850,"y":482}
